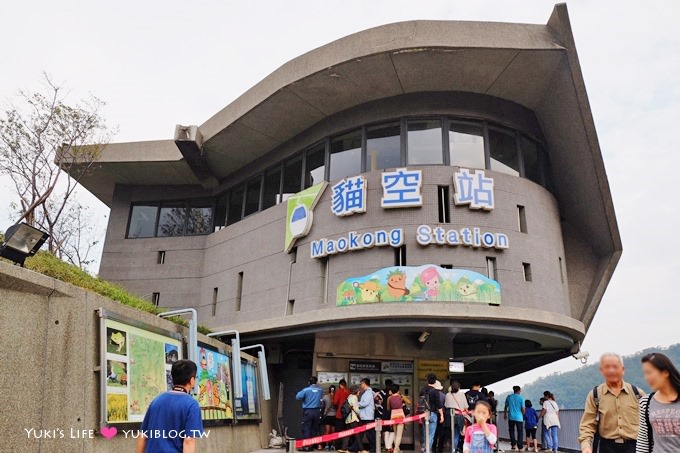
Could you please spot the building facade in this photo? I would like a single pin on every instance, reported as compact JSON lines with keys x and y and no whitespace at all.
{"x":413,"y":193}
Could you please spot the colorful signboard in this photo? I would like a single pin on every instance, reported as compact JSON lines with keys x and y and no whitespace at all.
{"x":214,"y":385}
{"x":427,"y":283}
{"x":299,"y":214}
{"x":136,"y":362}
{"x":248,"y":407}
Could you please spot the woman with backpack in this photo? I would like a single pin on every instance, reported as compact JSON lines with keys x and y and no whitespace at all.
{"x":551,"y":418}
{"x":350,"y":410}
{"x":660,"y":410}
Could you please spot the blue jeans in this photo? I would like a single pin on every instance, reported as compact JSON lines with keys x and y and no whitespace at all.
{"x":545,"y":437}
{"x":456,"y":435}
{"x":553,"y":436}
{"x":434,"y":420}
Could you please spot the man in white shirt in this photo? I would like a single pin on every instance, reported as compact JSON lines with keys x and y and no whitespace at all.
{"x":455,"y":404}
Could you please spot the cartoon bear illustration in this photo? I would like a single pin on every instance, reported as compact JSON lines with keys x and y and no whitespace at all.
{"x":467,"y":288}
{"x":370,"y":291}
{"x":396,"y":284}
{"x":431,"y":279}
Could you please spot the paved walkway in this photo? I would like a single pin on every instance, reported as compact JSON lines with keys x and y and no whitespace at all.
{"x":503,"y":447}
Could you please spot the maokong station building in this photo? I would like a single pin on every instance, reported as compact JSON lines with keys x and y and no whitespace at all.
{"x":421,"y":196}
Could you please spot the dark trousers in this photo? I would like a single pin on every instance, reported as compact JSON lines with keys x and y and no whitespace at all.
{"x":311,"y":423}
{"x":609,"y":446}
{"x":370,"y":435}
{"x":352,"y":442}
{"x":340,"y":444}
{"x":441,"y":435}
{"x":516,"y":438}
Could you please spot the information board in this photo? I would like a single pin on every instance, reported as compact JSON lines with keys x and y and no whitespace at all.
{"x":135,"y":367}
{"x":248,"y":407}
{"x":214,"y":384}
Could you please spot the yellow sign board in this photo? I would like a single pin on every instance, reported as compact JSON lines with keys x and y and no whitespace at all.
{"x":438,"y":367}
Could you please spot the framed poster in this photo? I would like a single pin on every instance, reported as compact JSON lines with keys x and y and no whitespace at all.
{"x":248,"y":407}
{"x":331,"y":377}
{"x":135,"y":366}
{"x":214,"y":385}
{"x":355,"y":379}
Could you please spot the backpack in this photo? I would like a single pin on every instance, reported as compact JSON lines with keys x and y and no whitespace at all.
{"x":346,"y":409}
{"x":596,"y":398}
{"x":472,"y":399}
{"x":423,"y":401}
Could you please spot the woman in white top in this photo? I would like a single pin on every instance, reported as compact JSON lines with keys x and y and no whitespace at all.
{"x":551,"y":419}
{"x":457,"y":401}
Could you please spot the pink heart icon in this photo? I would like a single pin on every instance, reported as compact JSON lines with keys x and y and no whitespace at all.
{"x":109,"y":431}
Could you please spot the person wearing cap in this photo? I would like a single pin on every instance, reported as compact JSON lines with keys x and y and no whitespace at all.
{"x":441,"y":432}
{"x":311,"y":397}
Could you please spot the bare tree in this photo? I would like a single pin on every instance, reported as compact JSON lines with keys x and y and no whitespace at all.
{"x":46,"y":147}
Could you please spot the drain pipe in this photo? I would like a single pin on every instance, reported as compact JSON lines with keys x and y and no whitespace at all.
{"x":237,"y":381}
{"x":264,"y":374}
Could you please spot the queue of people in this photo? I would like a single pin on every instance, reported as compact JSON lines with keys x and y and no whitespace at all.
{"x":618,"y":417}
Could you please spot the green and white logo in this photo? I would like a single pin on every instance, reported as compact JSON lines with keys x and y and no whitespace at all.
{"x":299,"y":215}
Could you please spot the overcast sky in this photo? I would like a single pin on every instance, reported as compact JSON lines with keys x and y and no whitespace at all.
{"x":158,"y":64}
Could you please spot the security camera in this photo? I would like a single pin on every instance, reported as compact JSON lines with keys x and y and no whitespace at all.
{"x":582,"y":356}
{"x":424,"y":336}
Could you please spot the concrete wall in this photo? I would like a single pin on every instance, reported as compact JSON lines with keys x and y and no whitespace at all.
{"x":49,"y":353}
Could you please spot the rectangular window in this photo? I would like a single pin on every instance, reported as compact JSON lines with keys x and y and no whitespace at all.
{"x":199,"y":217}
{"x":561,"y":270}
{"x":400,"y":256}
{"x":239,"y":291}
{"x":526,"y":267}
{"x":253,"y":196}
{"x":324,"y":279}
{"x":345,"y":155}
{"x":522,"y":219}
{"x":530,"y":158}
{"x":172,"y":219}
{"x":290,"y":307}
{"x":156,"y":298}
{"x":424,"y":144}
{"x":491,"y":270}
{"x":160,"y":258}
{"x":143,"y":221}
{"x":221,"y":211}
{"x":272,"y":187}
{"x":466,"y":145}
{"x":444,"y":201}
{"x":446,"y":266}
{"x":383,"y":146}
{"x":504,"y":155}
{"x":235,"y":211}
{"x":292,"y":177}
{"x":315,"y":165}
{"x":214,"y":301}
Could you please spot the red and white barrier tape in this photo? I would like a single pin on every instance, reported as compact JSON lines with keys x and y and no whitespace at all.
{"x":352,"y":431}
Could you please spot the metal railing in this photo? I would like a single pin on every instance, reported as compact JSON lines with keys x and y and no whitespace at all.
{"x":568,"y":436}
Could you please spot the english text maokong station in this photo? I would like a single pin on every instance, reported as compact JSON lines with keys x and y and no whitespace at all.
{"x":413,"y":193}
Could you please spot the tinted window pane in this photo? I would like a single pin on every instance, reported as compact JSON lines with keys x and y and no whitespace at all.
{"x":504,"y":157}
{"x":532,"y":165}
{"x":272,"y":185}
{"x":425,"y":142}
{"x":253,"y":196}
{"x":199,"y":217}
{"x":142,"y":221}
{"x":346,"y":155}
{"x":383,"y":147}
{"x":221,"y":212}
{"x":466,"y":145}
{"x":292,"y":177}
{"x":171,"y":219}
{"x":235,"y":205}
{"x":315,"y":169}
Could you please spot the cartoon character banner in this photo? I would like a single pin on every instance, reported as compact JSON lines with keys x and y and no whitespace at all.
{"x":214,"y":385}
{"x":427,"y":283}
{"x":136,"y":364}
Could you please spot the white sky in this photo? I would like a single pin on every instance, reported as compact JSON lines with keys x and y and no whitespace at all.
{"x":158,"y":64}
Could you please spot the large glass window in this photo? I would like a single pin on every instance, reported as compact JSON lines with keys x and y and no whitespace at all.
{"x":253,"y":196}
{"x":315,"y":165}
{"x":143,"y":221}
{"x":235,"y":205}
{"x":383,"y":146}
{"x":221,"y":211}
{"x":292,"y":177}
{"x":199,"y":217}
{"x":346,"y":155}
{"x":172,"y":218}
{"x":531,"y":157}
{"x":424,"y":143}
{"x":466,"y":145}
{"x":272,"y":186}
{"x":503,"y":149}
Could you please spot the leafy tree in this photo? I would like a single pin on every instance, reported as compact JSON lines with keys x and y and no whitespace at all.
{"x":46,"y":147}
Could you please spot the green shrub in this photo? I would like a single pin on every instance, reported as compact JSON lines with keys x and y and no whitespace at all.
{"x":48,"y":264}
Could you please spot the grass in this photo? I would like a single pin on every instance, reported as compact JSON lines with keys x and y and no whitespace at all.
{"x":47,"y":264}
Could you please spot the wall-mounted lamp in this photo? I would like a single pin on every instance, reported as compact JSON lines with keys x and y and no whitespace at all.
{"x":424,"y":337}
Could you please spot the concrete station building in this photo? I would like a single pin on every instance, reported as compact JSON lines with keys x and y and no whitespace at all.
{"x":466,"y":215}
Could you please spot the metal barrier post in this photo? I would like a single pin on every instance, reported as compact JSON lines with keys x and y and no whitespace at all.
{"x":452,"y":412}
{"x":291,"y":446}
{"x":427,"y":431}
{"x":378,"y":434}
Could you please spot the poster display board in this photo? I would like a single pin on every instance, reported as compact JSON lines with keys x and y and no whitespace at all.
{"x":331,"y":377}
{"x":214,"y":385}
{"x":248,"y":407}
{"x":135,"y":367}
{"x":355,"y":379}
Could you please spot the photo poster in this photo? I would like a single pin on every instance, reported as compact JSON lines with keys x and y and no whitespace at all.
{"x":248,"y":407}
{"x":214,"y":384}
{"x":136,"y":366}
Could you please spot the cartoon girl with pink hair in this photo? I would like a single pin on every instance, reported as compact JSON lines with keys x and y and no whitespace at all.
{"x":430,"y":277}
